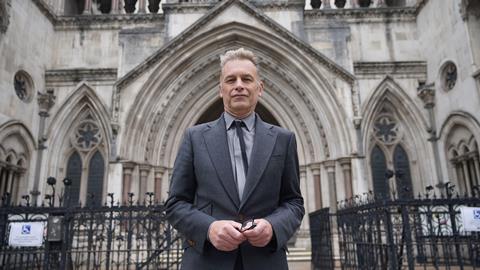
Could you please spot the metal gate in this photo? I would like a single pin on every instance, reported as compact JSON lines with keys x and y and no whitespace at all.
{"x":133,"y":236}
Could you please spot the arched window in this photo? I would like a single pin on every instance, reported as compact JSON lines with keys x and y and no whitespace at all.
{"x":16,"y":146}
{"x":379,"y":169}
{"x":388,"y":155}
{"x":402,"y":173}
{"x":74,"y":173}
{"x":463,"y":154}
{"x":96,"y":171}
{"x":86,"y":165}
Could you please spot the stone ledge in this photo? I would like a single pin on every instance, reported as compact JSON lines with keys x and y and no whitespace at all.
{"x":411,"y":68}
{"x":97,"y":21}
{"x":357,"y":15}
{"x":80,"y":74}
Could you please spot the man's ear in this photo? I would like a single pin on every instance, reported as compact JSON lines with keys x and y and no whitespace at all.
{"x":220,"y":91}
{"x":260,"y":88}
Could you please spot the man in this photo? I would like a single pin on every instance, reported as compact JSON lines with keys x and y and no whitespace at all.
{"x":235,"y":190}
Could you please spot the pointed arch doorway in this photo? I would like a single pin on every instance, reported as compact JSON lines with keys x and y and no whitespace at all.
{"x":216,"y":109}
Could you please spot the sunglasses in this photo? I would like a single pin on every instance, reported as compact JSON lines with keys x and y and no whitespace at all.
{"x":248,"y":225}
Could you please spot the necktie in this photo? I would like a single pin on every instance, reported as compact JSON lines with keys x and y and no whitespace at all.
{"x":241,"y":177}
{"x":238,"y":127}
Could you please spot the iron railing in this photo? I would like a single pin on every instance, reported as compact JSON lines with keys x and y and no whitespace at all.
{"x":422,"y":233}
{"x":112,"y":236}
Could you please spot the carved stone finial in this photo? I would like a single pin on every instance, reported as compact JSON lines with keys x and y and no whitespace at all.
{"x":427,"y":94}
{"x":45,"y":102}
{"x":4,"y":15}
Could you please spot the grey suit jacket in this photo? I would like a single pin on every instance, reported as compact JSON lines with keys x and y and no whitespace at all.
{"x":203,"y":190}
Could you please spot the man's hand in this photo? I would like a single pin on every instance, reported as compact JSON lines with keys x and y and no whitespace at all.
{"x":261,"y":235}
{"x":225,"y":235}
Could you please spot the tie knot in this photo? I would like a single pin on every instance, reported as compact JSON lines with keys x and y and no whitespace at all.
{"x":239,"y":123}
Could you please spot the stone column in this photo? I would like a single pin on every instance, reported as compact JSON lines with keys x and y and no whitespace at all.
{"x":466,"y":176}
{"x":2,"y":182}
{"x":317,"y":184}
{"x":353,"y":3}
{"x":142,"y":6}
{"x":381,"y":3}
{"x":88,"y":7}
{"x":45,"y":103}
{"x":115,"y":7}
{"x":326,"y":4}
{"x":159,"y":171}
{"x":143,"y":183}
{"x":127,"y":180}
{"x":427,"y":94}
{"x":347,"y":177}
{"x":332,"y":186}
{"x":477,"y":168}
{"x":9,"y":183}
{"x":332,"y":189}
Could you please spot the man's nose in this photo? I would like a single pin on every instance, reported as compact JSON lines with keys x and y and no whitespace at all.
{"x":239,"y":84}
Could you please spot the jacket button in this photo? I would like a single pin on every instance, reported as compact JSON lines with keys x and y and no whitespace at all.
{"x":191,"y":242}
{"x":241,"y":217}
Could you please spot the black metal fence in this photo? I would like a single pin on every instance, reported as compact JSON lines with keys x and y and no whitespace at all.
{"x":133,"y":236}
{"x":423,"y":233}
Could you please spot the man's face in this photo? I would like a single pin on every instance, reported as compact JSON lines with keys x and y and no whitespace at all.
{"x":240,"y":87}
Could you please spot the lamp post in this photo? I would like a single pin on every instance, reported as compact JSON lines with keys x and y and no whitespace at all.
{"x":51,"y":181}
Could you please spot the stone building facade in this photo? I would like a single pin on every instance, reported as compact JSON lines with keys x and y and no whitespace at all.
{"x":101,"y":91}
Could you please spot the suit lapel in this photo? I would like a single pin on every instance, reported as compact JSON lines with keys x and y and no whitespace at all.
{"x":263,"y":144}
{"x":217,"y":147}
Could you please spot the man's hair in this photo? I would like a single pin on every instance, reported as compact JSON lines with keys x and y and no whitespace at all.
{"x":238,"y":54}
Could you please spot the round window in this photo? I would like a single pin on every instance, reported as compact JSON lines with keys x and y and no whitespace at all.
{"x":23,"y":86}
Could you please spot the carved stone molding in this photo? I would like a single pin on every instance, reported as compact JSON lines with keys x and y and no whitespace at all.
{"x":345,"y":162}
{"x":80,"y":74}
{"x":96,"y":21}
{"x":5,"y":6}
{"x":106,"y":21}
{"x":186,"y":7}
{"x":169,"y":49}
{"x":45,"y":102}
{"x":158,"y":123}
{"x":414,"y":69}
{"x":358,"y":15}
{"x":427,"y":94}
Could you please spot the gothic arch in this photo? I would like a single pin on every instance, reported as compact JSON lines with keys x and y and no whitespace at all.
{"x":186,"y":82}
{"x":17,"y":147}
{"x":81,"y":111}
{"x":390,"y":98}
{"x":459,"y":135}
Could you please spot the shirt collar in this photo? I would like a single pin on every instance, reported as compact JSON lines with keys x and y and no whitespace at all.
{"x":249,"y":120}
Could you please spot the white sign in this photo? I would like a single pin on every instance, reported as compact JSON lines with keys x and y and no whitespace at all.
{"x":470,"y":218}
{"x":26,"y":234}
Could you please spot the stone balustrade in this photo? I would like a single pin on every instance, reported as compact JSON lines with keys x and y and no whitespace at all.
{"x":334,"y":4}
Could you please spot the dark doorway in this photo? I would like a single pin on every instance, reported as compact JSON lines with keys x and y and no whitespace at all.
{"x":214,"y":112}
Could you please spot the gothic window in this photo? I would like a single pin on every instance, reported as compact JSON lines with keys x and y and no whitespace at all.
{"x":15,"y":149}
{"x":402,"y":173}
{"x":74,"y":173}
{"x":379,"y":169}
{"x":463,"y":155}
{"x":386,"y":129}
{"x":389,"y":156}
{"x":95,"y":178}
{"x":86,"y":165}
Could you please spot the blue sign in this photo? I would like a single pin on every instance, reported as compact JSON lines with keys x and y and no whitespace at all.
{"x":26,"y":229}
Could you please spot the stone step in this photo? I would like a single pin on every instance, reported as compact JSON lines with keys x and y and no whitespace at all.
{"x":299,"y":255}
